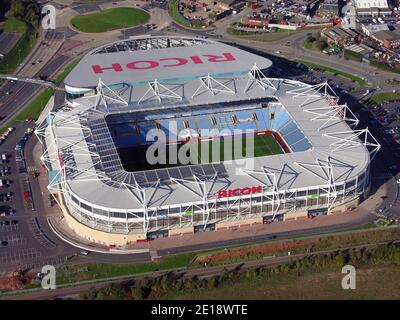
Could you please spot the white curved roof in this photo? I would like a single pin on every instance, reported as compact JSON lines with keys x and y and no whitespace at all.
{"x":138,"y":60}
{"x":331,"y":138}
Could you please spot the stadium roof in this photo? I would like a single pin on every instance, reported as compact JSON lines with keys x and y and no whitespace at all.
{"x":136,"y":61}
{"x":348,"y":155}
{"x":94,"y":172}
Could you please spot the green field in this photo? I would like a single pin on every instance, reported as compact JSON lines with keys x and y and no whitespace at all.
{"x":193,"y":152}
{"x":361,"y":82}
{"x":261,"y":36}
{"x":176,"y":15}
{"x":374,"y":282}
{"x":384,"y":66}
{"x":385,"y":96}
{"x":110,"y":19}
{"x":264,"y":145}
{"x":14,"y":25}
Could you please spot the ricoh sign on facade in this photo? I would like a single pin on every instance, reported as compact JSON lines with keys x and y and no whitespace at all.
{"x":239,"y":192}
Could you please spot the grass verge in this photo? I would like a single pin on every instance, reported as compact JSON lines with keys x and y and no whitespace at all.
{"x":173,"y":10}
{"x":12,"y":24}
{"x":20,"y":51}
{"x":263,"y":37}
{"x":110,"y":19}
{"x":360,"y":82}
{"x":385,"y":96}
{"x":66,"y":70}
{"x":383,"y":66}
{"x":281,"y":248}
{"x":35,"y":108}
{"x":94,"y":271}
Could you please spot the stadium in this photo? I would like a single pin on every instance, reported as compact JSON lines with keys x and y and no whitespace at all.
{"x":307,"y":157}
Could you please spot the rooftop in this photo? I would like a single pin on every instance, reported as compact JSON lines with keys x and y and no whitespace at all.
{"x":139,"y":60}
{"x":93,"y":171}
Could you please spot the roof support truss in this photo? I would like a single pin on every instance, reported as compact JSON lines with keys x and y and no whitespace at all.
{"x":257,"y":76}
{"x":349,"y":139}
{"x":105,"y":93}
{"x":159,"y":91}
{"x":315,"y":91}
{"x":213,"y":86}
{"x":332,"y":115}
{"x":326,"y":175}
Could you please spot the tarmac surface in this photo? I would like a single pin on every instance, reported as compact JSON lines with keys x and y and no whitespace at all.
{"x":8,"y":41}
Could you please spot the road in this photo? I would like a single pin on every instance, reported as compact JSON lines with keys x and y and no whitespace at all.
{"x":14,"y":96}
{"x":200,"y":273}
{"x":8,"y":41}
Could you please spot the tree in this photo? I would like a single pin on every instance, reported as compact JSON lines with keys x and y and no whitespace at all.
{"x":17,"y":9}
{"x":32,"y":15}
{"x":321,"y":44}
{"x":212,"y":282}
{"x":116,"y":292}
{"x":339,"y":258}
{"x":137,"y":292}
{"x":165,"y":282}
{"x":88,"y":295}
{"x":101,"y":295}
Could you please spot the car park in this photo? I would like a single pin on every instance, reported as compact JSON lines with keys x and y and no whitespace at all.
{"x":7,"y":211}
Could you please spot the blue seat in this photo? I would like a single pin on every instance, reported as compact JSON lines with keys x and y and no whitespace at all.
{"x":301,"y":145}
{"x":263,"y":120}
{"x":247,"y":126}
{"x":204,"y":122}
{"x":294,"y":137}
{"x":291,"y":126}
{"x":280,"y":118}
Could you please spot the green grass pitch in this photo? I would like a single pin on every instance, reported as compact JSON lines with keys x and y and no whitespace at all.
{"x":231,"y":149}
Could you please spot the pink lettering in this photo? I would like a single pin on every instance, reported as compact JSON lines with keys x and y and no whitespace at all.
{"x":222,"y":194}
{"x":196,"y":59}
{"x":115,"y":66}
{"x":148,"y":64}
{"x":180,"y":62}
{"x":226,"y":57}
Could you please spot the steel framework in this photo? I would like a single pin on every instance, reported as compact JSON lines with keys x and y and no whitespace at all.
{"x":277,"y":196}
{"x":212,"y":85}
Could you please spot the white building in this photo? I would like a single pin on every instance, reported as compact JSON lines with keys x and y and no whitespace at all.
{"x":366,"y":4}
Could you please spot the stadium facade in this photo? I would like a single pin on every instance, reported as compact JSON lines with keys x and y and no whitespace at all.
{"x":118,"y":92}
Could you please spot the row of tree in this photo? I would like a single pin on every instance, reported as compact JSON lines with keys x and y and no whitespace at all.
{"x":156,"y":287}
{"x":25,"y":10}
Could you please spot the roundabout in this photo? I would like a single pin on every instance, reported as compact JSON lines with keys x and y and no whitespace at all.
{"x":109,"y":19}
